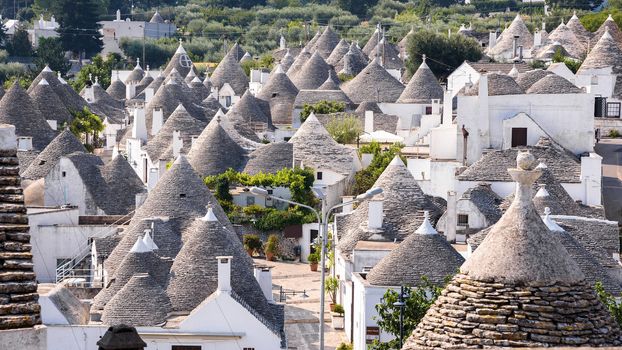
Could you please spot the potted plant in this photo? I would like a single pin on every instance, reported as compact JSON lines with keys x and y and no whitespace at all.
{"x":252,"y":243}
{"x":272,"y":247}
{"x":313,"y":259}
{"x":331,"y":286}
{"x":337,"y":317}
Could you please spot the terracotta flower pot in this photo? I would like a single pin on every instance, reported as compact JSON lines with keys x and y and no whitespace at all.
{"x":250,"y":252}
{"x":332,"y":307}
{"x":269,"y":256}
{"x":313,"y":266}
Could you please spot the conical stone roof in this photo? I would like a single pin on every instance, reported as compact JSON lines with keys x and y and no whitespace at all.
{"x":518,"y":259}
{"x":568,"y":40}
{"x":180,"y":62}
{"x":194,"y":274}
{"x":423,"y":253}
{"x":248,"y":110}
{"x":311,"y":44}
{"x":554,"y":84}
{"x":17,"y":108}
{"x":287,"y":61}
{"x":314,"y":72}
{"x":123,"y":183}
{"x":326,"y":43}
{"x":387,"y":54}
{"x":63,"y":144}
{"x":116,"y":88}
{"x":210,"y":105}
{"x":505,"y":42}
{"x":180,"y":120}
{"x":353,"y":62}
{"x":422,"y":87}
{"x":141,"y":302}
{"x":338,"y":52}
{"x":270,"y":158}
{"x":229,"y":71}
{"x":214,"y":151}
{"x":331,"y":83}
{"x":606,"y":53}
{"x":298,"y":63}
{"x":198,"y":90}
{"x":279,"y":93}
{"x":527,"y":79}
{"x":136,"y":75}
{"x":156,"y":18}
{"x":608,"y":25}
{"x":374,"y":83}
{"x":49,"y":104}
{"x":371,"y":43}
{"x":584,"y":35}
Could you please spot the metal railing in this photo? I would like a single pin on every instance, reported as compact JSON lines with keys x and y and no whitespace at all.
{"x":67,"y":269}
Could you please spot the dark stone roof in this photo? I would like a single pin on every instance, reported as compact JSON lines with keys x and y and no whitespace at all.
{"x":493,"y":165}
{"x":229,"y":71}
{"x":353,"y":62}
{"x":49,"y":104}
{"x":286,"y":61}
{"x":606,"y":53}
{"x":141,"y":302}
{"x":584,"y":35}
{"x":368,"y":106}
{"x":315,"y":148}
{"x":526,"y":79}
{"x":168,"y":97}
{"x":194,"y":274}
{"x":176,"y":62}
{"x":486,"y":201}
{"x":156,"y":18}
{"x":312,"y":74}
{"x":374,"y":83}
{"x":123,"y":185}
{"x":554,"y":84}
{"x":372,"y":42}
{"x":214,"y":151}
{"x":179,"y":120}
{"x":248,"y":110}
{"x":105,"y":245}
{"x":388,"y":54}
{"x":210,"y":106}
{"x":326,"y":43}
{"x":17,"y":108}
{"x":596,"y":235}
{"x":418,"y":256}
{"x":116,"y":89}
{"x":279,"y":94}
{"x":136,"y":75}
{"x":505,"y":41}
{"x":403,"y":205}
{"x":63,"y":144}
{"x":385,"y":122}
{"x":565,"y":37}
{"x":494,"y":67}
{"x":609,"y":25}
{"x":270,"y":158}
{"x":300,"y":61}
{"x":498,"y":84}
{"x":338,"y":52}
{"x":422,"y":87}
{"x":315,"y":96}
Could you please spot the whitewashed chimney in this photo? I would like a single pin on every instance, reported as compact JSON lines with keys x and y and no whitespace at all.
{"x":148,"y":94}
{"x":140,"y":199}
{"x":224,"y":273}
{"x":436,"y":106}
{"x":447,"y":108}
{"x":282,"y":43}
{"x":118,"y":15}
{"x":492,"y":39}
{"x":8,"y":140}
{"x":139,"y":129}
{"x":369,"y":122}
{"x":130,"y":90}
{"x":178,"y":143}
{"x":451,"y":218}
{"x":157,"y":120}
{"x":24,"y":143}
{"x":263,"y":275}
{"x":349,"y":207}
{"x":537,"y":38}
{"x":375,"y":213}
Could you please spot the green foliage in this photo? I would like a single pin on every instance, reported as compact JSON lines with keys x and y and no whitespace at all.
{"x":344,"y":129}
{"x":86,"y":123}
{"x":313,"y":258}
{"x":613,"y":133}
{"x":365,"y":179}
{"x":221,"y":188}
{"x":322,"y":107}
{"x":343,"y":77}
{"x":79,"y":30}
{"x":338,"y":309}
{"x":344,"y":346}
{"x":9,"y":72}
{"x":610,"y":302}
{"x":417,"y":303}
{"x":592,"y":21}
{"x":536,"y":64}
{"x":100,"y":68}
{"x":445,"y":54}
{"x":331,"y":286}
{"x":272,"y":245}
{"x":572,"y":64}
{"x":265,"y":61}
{"x":276,"y":220}
{"x":50,"y":52}
{"x":252,"y":242}
{"x":20,"y":43}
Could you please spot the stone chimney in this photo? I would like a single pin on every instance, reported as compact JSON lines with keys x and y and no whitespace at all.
{"x":149,"y":94}
{"x":178,"y":143}
{"x":157,"y":120}
{"x":537,"y":38}
{"x":118,"y":15}
{"x":369,"y":122}
{"x":348,"y":208}
{"x":492,"y":39}
{"x":375,"y":214}
{"x":263,"y":275}
{"x":130,"y":90}
{"x":24,"y":143}
{"x":139,"y":128}
{"x":224,"y":273}
{"x":451,"y":217}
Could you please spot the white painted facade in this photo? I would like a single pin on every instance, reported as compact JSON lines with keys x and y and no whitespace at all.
{"x":114,"y":31}
{"x":64,"y":186}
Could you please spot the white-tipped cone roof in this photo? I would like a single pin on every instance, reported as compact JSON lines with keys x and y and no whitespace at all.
{"x":140,"y":247}
{"x":279,"y":69}
{"x":47,"y":69}
{"x":426,"y":227}
{"x":550,"y":223}
{"x":196,"y":79}
{"x":180,"y":49}
{"x":43,"y":82}
{"x":542,"y":192}
{"x":396,"y":161}
{"x":209,"y":216}
{"x":148,"y":241}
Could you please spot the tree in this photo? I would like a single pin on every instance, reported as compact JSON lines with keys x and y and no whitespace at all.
{"x":87,"y":126}
{"x":20,"y":44}
{"x":610,"y":302}
{"x":344,"y":129}
{"x":417,"y":302}
{"x":3,"y":37}
{"x":445,"y":54}
{"x":50,"y":52}
{"x":100,"y":68}
{"x":572,"y":64}
{"x":322,"y":107}
{"x":79,"y":30}
{"x":365,"y":179}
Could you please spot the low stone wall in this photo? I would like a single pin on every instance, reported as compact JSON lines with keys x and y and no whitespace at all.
{"x":34,"y":338}
{"x":607,"y":124}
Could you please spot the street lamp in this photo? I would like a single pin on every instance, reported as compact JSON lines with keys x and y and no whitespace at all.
{"x":401,"y":304}
{"x":323,"y":224}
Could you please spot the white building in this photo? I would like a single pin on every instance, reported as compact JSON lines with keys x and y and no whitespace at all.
{"x":118,"y":28}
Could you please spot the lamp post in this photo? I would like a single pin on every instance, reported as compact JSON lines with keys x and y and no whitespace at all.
{"x":401,"y":304}
{"x":323,"y":224}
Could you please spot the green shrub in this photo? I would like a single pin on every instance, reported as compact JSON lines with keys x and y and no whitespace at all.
{"x":344,"y":346}
{"x":613,"y":133}
{"x":331,"y":287}
{"x":313,"y":258}
{"x":345,"y":129}
{"x":610,"y":302}
{"x":338,"y":309}
{"x":272,"y":245}
{"x":322,"y":107}
{"x":252,"y":242}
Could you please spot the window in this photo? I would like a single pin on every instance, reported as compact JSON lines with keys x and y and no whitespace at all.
{"x":248,"y":348}
{"x":250,"y":200}
{"x":227,"y":101}
{"x":600,"y":107}
{"x":519,"y":137}
{"x":428,"y":110}
{"x":463,"y":219}
{"x":186,"y":347}
{"x":270,"y":191}
{"x":182,"y":195}
{"x":613,"y":109}
{"x":319,"y":175}
{"x":64,"y":174}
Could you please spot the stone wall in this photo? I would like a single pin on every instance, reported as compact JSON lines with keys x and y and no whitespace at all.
{"x":477,"y":314}
{"x":607,"y":124}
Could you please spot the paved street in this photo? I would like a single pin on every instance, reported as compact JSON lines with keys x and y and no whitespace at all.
{"x":301,"y":312}
{"x":611,"y":151}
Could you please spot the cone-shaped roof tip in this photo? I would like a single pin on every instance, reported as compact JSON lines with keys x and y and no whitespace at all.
{"x":550,"y":223}
{"x":43,"y":82}
{"x":140,"y":247}
{"x":542,"y":192}
{"x":279,"y":69}
{"x":148,"y":241}
{"x":426,"y":227}
{"x":396,"y":161}
{"x":209,"y":216}
{"x":47,"y":69}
